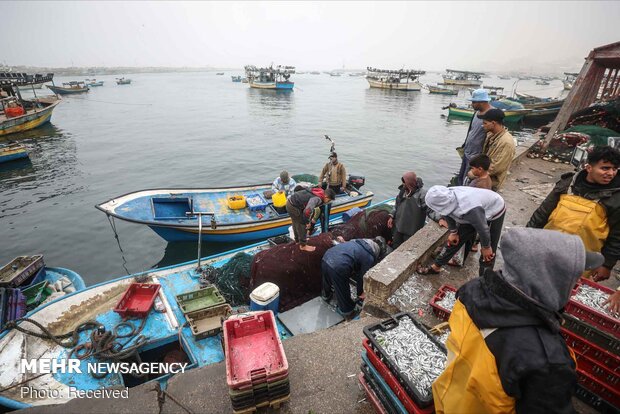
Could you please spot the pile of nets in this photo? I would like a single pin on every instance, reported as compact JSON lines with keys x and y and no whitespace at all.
{"x":507,"y":105}
{"x":307,"y":179}
{"x":232,"y":278}
{"x":298,"y":273}
{"x":603,"y":114}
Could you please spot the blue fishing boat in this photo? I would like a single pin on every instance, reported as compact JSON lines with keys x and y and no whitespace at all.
{"x":163,"y":335}
{"x":93,"y":82}
{"x":12,"y":151}
{"x":69,"y":88}
{"x":277,"y":78}
{"x":168,"y":212}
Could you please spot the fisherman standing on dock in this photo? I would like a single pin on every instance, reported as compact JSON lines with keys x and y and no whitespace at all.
{"x":476,"y":134}
{"x":587,"y":204}
{"x":499,"y":146}
{"x":304,"y":207}
{"x":334,"y":175}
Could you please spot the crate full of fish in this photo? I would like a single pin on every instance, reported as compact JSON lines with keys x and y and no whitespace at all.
{"x":412,"y":354}
{"x":443,"y":302}
{"x":587,"y":304}
{"x":256,"y":202}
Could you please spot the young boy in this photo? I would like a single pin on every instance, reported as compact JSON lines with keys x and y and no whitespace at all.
{"x":479,"y":169}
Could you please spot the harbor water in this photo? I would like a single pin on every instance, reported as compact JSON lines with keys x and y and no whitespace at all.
{"x":202,"y":130}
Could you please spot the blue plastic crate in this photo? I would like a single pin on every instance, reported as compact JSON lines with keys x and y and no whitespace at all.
{"x":256,"y":202}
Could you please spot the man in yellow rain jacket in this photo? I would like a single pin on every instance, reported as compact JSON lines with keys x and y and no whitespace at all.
{"x":505,"y":351}
{"x":588,"y":204}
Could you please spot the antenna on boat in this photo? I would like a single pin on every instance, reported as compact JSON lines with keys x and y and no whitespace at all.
{"x":333,"y":147}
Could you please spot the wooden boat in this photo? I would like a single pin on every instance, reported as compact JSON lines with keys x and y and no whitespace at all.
{"x":277,"y":78}
{"x":164,"y":211}
{"x":462,"y":78}
{"x":123,"y":81}
{"x":467,"y":113}
{"x":69,"y":88}
{"x":542,"y":116}
{"x":26,"y":82}
{"x":20,"y":114}
{"x":12,"y":151}
{"x":441,"y":91}
{"x":236,"y":78}
{"x":401,"y":80}
{"x":93,"y":82}
{"x":163,"y":331}
{"x":534,"y":102}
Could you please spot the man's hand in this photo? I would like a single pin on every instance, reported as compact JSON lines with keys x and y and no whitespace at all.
{"x":487,"y":254}
{"x":390,"y":222}
{"x":614,"y":302}
{"x":443,"y":223}
{"x":453,"y":239}
{"x":600,"y":273}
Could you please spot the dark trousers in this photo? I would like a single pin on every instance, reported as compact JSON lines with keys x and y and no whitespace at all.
{"x":299,"y":228}
{"x":467,"y":236}
{"x":463,"y":170}
{"x":332,"y":278}
{"x":336,"y":188}
{"x":398,"y":238}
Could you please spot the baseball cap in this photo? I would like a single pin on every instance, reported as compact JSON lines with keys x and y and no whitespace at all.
{"x":493,"y":115}
{"x":333,"y":155}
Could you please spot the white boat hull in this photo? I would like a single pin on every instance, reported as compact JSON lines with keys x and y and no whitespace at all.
{"x":30,"y":87}
{"x":462,"y":82}
{"x":403,"y":86}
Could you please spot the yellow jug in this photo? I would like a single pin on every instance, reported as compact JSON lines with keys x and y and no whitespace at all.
{"x":279,"y":199}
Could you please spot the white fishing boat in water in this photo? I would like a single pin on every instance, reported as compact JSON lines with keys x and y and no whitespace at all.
{"x":462,"y":78}
{"x":402,"y":80}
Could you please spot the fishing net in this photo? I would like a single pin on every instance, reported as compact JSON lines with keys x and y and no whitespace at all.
{"x":598,"y":135}
{"x":507,"y":104}
{"x":604,"y":115}
{"x":298,"y":273}
{"x":306,"y":179}
{"x":232,"y":279}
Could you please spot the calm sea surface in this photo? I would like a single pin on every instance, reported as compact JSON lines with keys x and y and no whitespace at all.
{"x":202,"y":130}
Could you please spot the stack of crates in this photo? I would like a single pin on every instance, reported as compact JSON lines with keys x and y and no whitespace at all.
{"x":593,"y":336}
{"x":204,"y":310}
{"x":12,"y":305}
{"x":256,"y":366}
{"x":386,"y":387}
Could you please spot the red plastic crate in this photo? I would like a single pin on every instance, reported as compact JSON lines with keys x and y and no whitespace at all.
{"x":585,"y":313}
{"x":137,"y":300}
{"x":253,"y":350}
{"x":597,"y":370}
{"x":391,"y":380}
{"x":440,"y":312}
{"x":604,"y":391}
{"x":584,"y":347}
{"x":372,"y":397}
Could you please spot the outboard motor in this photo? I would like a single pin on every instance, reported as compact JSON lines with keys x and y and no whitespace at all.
{"x":356,"y":181}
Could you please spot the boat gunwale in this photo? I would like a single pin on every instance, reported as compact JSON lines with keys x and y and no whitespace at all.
{"x":42,"y":112}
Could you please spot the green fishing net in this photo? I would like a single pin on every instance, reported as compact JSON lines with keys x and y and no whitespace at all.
{"x":232,"y":278}
{"x":306,"y":178}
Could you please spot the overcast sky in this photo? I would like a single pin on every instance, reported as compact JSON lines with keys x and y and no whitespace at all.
{"x":323,"y":35}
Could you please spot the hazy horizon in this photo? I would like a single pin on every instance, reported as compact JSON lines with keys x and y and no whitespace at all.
{"x":492,"y":36}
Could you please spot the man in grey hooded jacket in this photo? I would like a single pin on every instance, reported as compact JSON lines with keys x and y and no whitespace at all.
{"x":517,"y":312}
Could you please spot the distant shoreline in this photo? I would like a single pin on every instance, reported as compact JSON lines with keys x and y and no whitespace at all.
{"x":116,"y":70}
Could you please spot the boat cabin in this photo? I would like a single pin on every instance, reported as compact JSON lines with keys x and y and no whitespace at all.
{"x":393,"y":76}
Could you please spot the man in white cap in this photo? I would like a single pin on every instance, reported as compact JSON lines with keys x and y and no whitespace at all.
{"x":476,"y":135}
{"x":468,"y":211}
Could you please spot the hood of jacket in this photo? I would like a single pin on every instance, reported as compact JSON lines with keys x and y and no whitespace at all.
{"x":540,"y":269}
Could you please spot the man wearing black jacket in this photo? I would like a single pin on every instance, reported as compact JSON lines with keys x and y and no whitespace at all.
{"x":506,"y":353}
{"x":587,"y":204}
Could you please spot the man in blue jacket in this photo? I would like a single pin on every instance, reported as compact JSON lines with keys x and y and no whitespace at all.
{"x":346,"y":260}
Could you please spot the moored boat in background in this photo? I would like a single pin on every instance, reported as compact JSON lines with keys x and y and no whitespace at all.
{"x":569,"y":80}
{"x":123,"y":81}
{"x":401,"y":80}
{"x":511,"y":115}
{"x":441,"y":91}
{"x":462,"y":78}
{"x":69,"y":88}
{"x":236,"y":78}
{"x":12,"y":151}
{"x":93,"y":82}
{"x":20,"y":114}
{"x":277,"y":78}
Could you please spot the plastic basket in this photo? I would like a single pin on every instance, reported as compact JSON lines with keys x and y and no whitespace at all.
{"x":204,"y":298}
{"x":372,"y":397}
{"x":253,"y":350}
{"x":371,"y":373}
{"x":584,"y":347}
{"x":208,"y":322}
{"x":597,"y":370}
{"x":256,"y":202}
{"x":392,"y":381}
{"x":137,"y":300}
{"x":387,"y":404}
{"x":236,"y":202}
{"x":4,"y":306}
{"x":592,"y":334}
{"x":601,"y":321}
{"x":595,"y":401}
{"x":604,"y":391}
{"x":439,"y":311}
{"x":387,"y":325}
